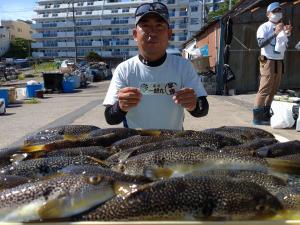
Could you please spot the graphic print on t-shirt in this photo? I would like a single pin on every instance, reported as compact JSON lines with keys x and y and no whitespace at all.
{"x":151,"y":88}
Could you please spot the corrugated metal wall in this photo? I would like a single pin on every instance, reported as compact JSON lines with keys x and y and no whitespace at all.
{"x":244,"y":62}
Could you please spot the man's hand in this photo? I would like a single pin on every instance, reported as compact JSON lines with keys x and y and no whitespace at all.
{"x":288,"y":29}
{"x":129,"y":97}
{"x":187,"y":98}
{"x":279,"y":27}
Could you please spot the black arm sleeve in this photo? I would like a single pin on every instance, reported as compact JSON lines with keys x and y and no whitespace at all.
{"x":114,"y":115}
{"x":262,"y":42}
{"x":202,"y":107}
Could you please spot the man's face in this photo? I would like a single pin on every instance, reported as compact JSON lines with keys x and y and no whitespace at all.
{"x":152,"y":35}
{"x":271,"y":15}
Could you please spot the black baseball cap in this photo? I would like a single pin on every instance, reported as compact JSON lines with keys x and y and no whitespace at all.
{"x":157,"y":8}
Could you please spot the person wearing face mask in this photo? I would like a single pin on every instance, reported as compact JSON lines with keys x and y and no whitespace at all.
{"x":270,"y":35}
{"x":152,"y":89}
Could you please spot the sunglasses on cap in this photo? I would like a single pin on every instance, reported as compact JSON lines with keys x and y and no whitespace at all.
{"x":277,"y":10}
{"x":155,"y":7}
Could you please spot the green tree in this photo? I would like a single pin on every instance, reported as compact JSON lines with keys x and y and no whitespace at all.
{"x":19,"y":48}
{"x":93,"y":57}
{"x":224,"y":8}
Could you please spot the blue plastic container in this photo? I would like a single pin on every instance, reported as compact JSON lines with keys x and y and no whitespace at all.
{"x":4,"y":95}
{"x":68,"y":85}
{"x":30,"y":89}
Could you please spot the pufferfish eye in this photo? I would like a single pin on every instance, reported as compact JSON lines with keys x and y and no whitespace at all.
{"x":121,"y":167}
{"x":94,"y":179}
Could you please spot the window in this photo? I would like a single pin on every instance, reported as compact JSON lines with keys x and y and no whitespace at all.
{"x":183,"y":12}
{"x":56,"y":5}
{"x":90,"y":3}
{"x":78,"y":13}
{"x":171,"y":2}
{"x":125,"y":10}
{"x":45,"y":15}
{"x":47,"y":6}
{"x":194,"y":8}
{"x":89,"y":13}
{"x":194,"y":21}
{"x":54,"y":14}
{"x":114,"y":11}
{"x":172,"y":12}
{"x":80,"y":4}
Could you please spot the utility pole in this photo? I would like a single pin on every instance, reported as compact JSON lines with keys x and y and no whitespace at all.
{"x":29,"y":48}
{"x":203,"y":12}
{"x":74,"y":30}
{"x":230,"y":5}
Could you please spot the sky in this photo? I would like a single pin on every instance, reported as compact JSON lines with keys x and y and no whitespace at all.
{"x":17,"y":9}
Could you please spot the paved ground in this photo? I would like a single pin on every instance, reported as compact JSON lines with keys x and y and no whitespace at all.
{"x":84,"y":107}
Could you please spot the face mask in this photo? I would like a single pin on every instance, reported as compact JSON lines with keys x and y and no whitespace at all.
{"x":275,"y":17}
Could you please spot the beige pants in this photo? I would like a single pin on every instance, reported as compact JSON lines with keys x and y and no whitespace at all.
{"x":270,"y":77}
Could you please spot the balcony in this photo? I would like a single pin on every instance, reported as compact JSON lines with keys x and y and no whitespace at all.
{"x":84,"y":44}
{"x":194,"y":14}
{"x":66,"y":44}
{"x":97,"y":43}
{"x":37,"y":35}
{"x":43,"y":7}
{"x":104,"y":53}
{"x":101,"y":33}
{"x":98,"y":3}
{"x":195,"y":27}
{"x":106,"y":22}
{"x":182,"y":2}
{"x":37,"y":26}
{"x":132,"y":43}
{"x":37,"y":45}
{"x":66,"y":54}
{"x":120,"y":54}
{"x":106,"y":12}
{"x":65,"y":24}
{"x":133,"y":53}
{"x":131,"y":21}
{"x":37,"y":54}
{"x":96,"y":33}
{"x":95,"y":22}
{"x":183,"y":13}
{"x":105,"y":33}
{"x":65,"y":34}
{"x":180,"y":26}
{"x":128,"y":3}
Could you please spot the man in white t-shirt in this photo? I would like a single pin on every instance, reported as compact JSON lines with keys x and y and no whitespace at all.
{"x":272,"y":37}
{"x":152,"y":89}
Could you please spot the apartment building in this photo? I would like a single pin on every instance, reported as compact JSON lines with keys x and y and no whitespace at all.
{"x":18,"y":29}
{"x":213,"y":5}
{"x":103,"y":26}
{"x":4,"y":40}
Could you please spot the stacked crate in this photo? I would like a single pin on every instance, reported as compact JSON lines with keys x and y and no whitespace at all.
{"x":209,"y":83}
